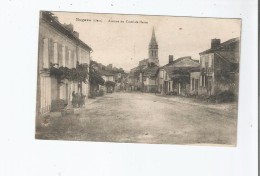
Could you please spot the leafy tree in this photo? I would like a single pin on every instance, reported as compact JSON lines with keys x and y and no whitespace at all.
{"x":94,"y":76}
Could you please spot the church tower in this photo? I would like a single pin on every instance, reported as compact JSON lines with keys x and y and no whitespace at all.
{"x":153,"y":50}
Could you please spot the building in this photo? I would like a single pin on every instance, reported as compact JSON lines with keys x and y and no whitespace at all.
{"x":174,"y":77}
{"x":143,"y":76}
{"x":60,"y":51}
{"x":114,"y":78}
{"x":108,"y":76}
{"x":219,"y":69}
{"x":153,"y":50}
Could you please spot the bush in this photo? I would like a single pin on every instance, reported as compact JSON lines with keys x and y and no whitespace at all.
{"x":223,"y":97}
{"x":58,"y":105}
{"x":100,"y":93}
{"x":172,"y":93}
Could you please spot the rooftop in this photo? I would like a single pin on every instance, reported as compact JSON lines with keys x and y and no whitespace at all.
{"x":63,"y":28}
{"x":228,"y":50}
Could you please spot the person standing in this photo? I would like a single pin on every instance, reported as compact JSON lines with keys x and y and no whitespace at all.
{"x":74,"y":99}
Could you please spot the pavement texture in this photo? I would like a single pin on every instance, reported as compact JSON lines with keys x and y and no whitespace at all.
{"x":145,"y":118}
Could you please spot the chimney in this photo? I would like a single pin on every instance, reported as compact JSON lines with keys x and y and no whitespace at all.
{"x":215,"y":43}
{"x":170,"y":58}
{"x":56,"y":18}
{"x":76,"y":34}
{"x":109,"y":67}
{"x":69,"y":27}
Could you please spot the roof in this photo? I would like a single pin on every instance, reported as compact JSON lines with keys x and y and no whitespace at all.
{"x":47,"y":16}
{"x":183,"y":63}
{"x":228,"y":50}
{"x":232,"y":57}
{"x":153,"y":42}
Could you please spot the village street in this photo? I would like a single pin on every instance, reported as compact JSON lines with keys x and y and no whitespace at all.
{"x":146,"y":118}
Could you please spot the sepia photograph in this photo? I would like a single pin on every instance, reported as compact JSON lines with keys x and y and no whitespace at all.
{"x":137,"y":78}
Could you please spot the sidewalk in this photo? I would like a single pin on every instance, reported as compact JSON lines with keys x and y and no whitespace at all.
{"x":197,"y":102}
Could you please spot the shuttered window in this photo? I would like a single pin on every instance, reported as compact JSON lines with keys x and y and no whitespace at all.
{"x":69,"y":59}
{"x":55,"y":53}
{"x":72,"y":59}
{"x":75,"y":59}
{"x":79,"y":55}
{"x":63,"y":56}
{"x":66,"y":56}
{"x":46,"y":53}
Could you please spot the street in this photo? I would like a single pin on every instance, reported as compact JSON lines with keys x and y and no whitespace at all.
{"x":146,"y":118}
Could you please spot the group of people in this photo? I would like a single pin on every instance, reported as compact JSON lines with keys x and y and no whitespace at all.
{"x":78,"y":100}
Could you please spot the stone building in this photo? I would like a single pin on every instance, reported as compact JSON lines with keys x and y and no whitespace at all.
{"x":219,"y":69}
{"x":174,"y":77}
{"x":59,"y":47}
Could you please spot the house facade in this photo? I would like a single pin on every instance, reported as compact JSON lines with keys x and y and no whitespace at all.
{"x":219,"y":69}
{"x":59,"y":47}
{"x":174,"y":77}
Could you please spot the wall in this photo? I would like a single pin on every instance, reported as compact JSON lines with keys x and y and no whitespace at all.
{"x":56,"y":48}
{"x":195,"y":76}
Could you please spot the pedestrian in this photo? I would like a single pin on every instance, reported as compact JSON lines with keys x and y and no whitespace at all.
{"x":74,"y":99}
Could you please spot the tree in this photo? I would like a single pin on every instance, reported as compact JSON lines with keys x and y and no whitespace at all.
{"x":94,"y":76}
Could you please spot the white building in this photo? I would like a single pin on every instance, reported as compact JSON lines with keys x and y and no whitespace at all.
{"x":59,"y":46}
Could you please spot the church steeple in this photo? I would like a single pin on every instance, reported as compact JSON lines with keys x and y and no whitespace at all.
{"x":153,"y":42}
{"x":153,"y":49}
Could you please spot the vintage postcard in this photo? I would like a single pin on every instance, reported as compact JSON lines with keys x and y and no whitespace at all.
{"x":137,"y":78}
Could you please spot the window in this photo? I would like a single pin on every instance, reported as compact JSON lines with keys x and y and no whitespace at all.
{"x":192,"y":84}
{"x":69,"y":59}
{"x":204,"y":81}
{"x":46,"y":53}
{"x":63,"y":56}
{"x":55,"y":53}
{"x":66,"y":57}
{"x":79,"y":55}
{"x":161,"y":74}
{"x":196,"y":84}
{"x":210,"y":61}
{"x":75,"y":59}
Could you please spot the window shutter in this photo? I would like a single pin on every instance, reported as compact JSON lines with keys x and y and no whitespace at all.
{"x":202,"y":62}
{"x":75,"y":59}
{"x":210,"y":61}
{"x":69,"y":59}
{"x":50,"y":50}
{"x":79,"y":55}
{"x":55,"y":53}
{"x":63,"y":56}
{"x":46,"y":53}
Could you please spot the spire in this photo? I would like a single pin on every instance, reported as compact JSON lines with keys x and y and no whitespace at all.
{"x":153,"y":42}
{"x":153,"y":35}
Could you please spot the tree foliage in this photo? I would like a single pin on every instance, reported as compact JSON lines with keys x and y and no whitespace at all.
{"x":94,"y":77}
{"x":79,"y":74}
{"x":110,"y":84}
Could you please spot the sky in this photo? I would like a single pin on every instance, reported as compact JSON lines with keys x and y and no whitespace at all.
{"x":120,"y":41}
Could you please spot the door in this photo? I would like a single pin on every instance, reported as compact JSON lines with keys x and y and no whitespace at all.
{"x":196,"y":86}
